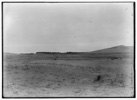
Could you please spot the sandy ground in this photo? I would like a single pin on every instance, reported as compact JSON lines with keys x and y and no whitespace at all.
{"x":68,"y":78}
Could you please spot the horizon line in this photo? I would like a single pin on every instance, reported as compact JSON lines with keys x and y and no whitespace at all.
{"x":65,"y":51}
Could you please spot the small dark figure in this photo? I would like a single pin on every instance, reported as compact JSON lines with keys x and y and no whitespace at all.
{"x":113,"y":58}
{"x":98,"y":78}
{"x":55,"y":58}
{"x":58,"y":84}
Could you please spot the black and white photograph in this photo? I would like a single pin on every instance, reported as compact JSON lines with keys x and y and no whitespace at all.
{"x":68,"y":49}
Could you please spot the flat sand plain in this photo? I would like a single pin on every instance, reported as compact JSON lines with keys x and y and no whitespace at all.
{"x":71,"y":76}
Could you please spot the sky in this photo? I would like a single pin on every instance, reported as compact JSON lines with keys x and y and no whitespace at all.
{"x":63,"y":27}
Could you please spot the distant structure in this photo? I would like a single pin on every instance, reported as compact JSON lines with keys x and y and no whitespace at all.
{"x":27,"y":53}
{"x":73,"y":52}
{"x":47,"y":52}
{"x":58,"y":52}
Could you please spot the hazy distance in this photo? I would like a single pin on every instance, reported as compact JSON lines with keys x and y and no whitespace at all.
{"x":62,"y":27}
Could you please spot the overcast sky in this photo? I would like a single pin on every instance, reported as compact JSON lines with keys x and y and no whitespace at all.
{"x":61,"y":27}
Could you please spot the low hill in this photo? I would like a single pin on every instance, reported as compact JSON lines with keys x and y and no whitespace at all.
{"x":116,"y":49}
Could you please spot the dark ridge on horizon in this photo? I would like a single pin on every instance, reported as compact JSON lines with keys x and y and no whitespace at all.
{"x":115,"y":49}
